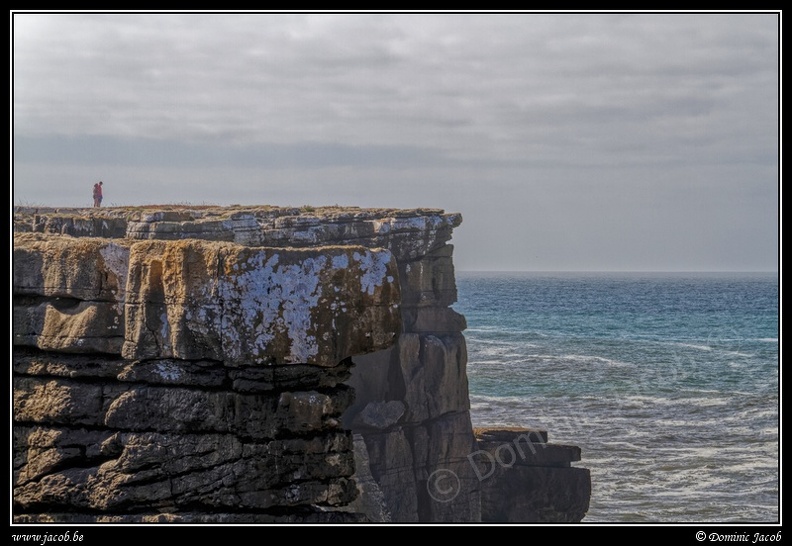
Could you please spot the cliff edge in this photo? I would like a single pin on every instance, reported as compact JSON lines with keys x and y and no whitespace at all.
{"x":252,"y":364}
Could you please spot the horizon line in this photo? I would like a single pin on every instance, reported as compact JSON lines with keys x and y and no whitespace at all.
{"x":459,"y":270}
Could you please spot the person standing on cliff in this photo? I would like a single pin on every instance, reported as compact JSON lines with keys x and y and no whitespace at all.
{"x":97,"y":194}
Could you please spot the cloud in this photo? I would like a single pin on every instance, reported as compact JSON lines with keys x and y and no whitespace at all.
{"x":342,"y":102}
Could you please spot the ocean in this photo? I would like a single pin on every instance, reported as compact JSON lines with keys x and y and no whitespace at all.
{"x":668,"y":382}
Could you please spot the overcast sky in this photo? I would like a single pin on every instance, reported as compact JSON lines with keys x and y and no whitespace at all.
{"x":567,"y":141}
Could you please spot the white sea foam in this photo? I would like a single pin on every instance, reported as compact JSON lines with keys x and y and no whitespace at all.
{"x":708,"y":402}
{"x":594,"y":359}
{"x":740,"y":354}
{"x":694,"y":346}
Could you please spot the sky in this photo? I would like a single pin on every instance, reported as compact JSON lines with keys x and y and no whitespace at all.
{"x":568,"y":141}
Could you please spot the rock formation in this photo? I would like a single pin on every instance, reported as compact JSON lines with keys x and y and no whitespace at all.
{"x":250,"y":364}
{"x":525,"y":478}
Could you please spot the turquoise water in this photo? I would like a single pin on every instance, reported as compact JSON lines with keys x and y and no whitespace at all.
{"x":669,"y":383}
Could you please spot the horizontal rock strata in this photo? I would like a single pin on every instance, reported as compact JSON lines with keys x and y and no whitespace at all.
{"x":98,"y":438}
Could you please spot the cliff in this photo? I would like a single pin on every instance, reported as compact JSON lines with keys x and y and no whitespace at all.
{"x":251,"y":364}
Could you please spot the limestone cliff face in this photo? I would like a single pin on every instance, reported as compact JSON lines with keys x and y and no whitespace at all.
{"x":241,"y":364}
{"x":203,"y":300}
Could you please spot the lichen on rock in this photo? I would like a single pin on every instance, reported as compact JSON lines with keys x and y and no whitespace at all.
{"x":196,"y":299}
